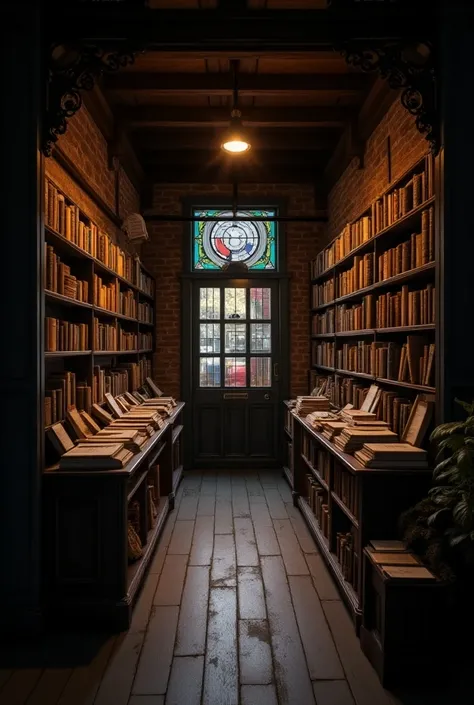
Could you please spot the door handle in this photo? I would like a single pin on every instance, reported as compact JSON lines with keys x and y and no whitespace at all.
{"x":266,"y":396}
{"x":275,"y":371}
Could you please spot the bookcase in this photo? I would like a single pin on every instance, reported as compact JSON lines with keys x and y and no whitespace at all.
{"x":373,"y":314}
{"x":346,"y":505}
{"x":99,"y":305}
{"x":99,"y":336}
{"x":289,"y":467}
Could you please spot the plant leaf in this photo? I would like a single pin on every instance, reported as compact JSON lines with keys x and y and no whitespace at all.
{"x":447,"y":429}
{"x":468,"y":407}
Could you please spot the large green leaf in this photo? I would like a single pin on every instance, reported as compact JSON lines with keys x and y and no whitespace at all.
{"x":447,"y":429}
{"x":468,"y":407}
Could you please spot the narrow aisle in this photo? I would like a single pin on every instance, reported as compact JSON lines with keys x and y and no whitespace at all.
{"x":238,"y":609}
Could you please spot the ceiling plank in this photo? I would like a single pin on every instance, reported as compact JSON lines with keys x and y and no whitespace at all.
{"x":170,"y":140}
{"x":249,"y":84}
{"x":154,"y":116}
{"x":210,"y":159}
{"x":249,"y":174}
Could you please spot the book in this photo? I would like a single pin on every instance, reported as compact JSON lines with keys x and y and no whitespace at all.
{"x":155,"y":390}
{"x":101,"y":414}
{"x":408,"y":572}
{"x":394,"y":558}
{"x":90,"y":423}
{"x":113,"y":406}
{"x":81,"y":429}
{"x":86,"y":456}
{"x":60,"y":439}
{"x":388,"y":545}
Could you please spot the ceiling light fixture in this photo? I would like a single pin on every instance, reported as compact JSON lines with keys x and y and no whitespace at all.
{"x":235,"y":140}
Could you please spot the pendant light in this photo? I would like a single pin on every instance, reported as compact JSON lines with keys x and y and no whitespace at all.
{"x":235,"y":139}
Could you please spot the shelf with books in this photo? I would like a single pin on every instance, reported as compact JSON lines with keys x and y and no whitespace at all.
{"x":52,"y":296}
{"x":67,"y":353}
{"x":346,"y":511}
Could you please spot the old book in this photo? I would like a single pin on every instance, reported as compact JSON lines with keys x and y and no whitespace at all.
{"x":131,"y":399}
{"x":370,"y":398}
{"x":60,"y":438}
{"x":124,"y":405}
{"x":101,"y":414}
{"x":90,"y":423}
{"x":388,"y":546}
{"x":408,"y":572}
{"x":113,"y":406}
{"x":94,"y":457}
{"x":394,"y":558}
{"x":419,"y":419}
{"x":77,"y":422}
{"x":156,"y":391}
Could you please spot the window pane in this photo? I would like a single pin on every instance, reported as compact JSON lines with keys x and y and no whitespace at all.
{"x":235,"y":372}
{"x":209,"y":372}
{"x":235,"y":337}
{"x":260,"y":337}
{"x":235,"y":303}
{"x":220,"y":239}
{"x":210,"y":338}
{"x":260,"y":372}
{"x":209,"y":303}
{"x":260,"y":304}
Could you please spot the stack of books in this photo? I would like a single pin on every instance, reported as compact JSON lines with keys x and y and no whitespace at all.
{"x":306,"y":405}
{"x":87,"y":456}
{"x":331,"y":429}
{"x":387,"y":456}
{"x":317,"y":418}
{"x":352,"y":439}
{"x":132,"y":439}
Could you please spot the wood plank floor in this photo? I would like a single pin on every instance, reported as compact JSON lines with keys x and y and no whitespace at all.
{"x":237,"y":609}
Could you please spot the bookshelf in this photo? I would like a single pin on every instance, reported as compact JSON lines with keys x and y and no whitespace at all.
{"x":99,"y":306}
{"x":341,"y":502}
{"x":373,"y":315}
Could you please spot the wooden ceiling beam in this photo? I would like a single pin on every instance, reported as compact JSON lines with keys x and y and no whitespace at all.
{"x":171,"y":140}
{"x":249,"y":84}
{"x":249,"y":174}
{"x":156,"y":116}
{"x":208,"y":158}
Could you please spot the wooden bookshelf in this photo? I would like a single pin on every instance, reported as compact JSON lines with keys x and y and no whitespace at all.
{"x":86,"y":517}
{"x":344,"y":504}
{"x":391,"y":302}
{"x":69,"y":265}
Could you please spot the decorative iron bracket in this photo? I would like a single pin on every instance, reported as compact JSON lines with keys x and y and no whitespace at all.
{"x":409,"y":68}
{"x":73,"y":69}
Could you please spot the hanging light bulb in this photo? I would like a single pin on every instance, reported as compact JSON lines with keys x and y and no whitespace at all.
{"x":235,"y":140}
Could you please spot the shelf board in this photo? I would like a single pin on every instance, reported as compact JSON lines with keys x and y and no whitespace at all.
{"x":66,"y":300}
{"x":177,"y":475}
{"x":288,"y":475}
{"x":103,"y":353}
{"x":354,"y":333}
{"x":68,"y":353}
{"x":345,"y":509}
{"x":348,"y":592}
{"x":145,"y":323}
{"x":407,"y":222}
{"x":391,"y":281}
{"x":318,"y":336}
{"x":113,"y":314}
{"x":407,"y":385}
{"x":323,"y":367}
{"x":316,"y":474}
{"x":176,"y":433}
{"x":146,"y":350}
{"x":288,"y":433}
{"x":362,"y":375}
{"x":138,"y":481}
{"x":407,"y":329}
{"x":145,"y":293}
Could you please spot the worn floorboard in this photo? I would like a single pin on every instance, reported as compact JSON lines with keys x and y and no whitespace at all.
{"x":238,"y":608}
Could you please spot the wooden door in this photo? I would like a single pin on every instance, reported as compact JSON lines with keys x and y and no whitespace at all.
{"x":235,"y":373}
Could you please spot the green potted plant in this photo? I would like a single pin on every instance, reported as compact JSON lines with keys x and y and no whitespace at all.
{"x":440,"y":528}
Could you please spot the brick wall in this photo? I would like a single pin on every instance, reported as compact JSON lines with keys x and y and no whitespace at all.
{"x":86,"y":147}
{"x":357,"y":188}
{"x":163,"y":256}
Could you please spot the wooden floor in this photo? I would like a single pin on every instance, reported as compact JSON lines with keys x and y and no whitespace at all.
{"x":238,"y":608}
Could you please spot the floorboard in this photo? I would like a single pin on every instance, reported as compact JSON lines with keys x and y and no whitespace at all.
{"x":238,"y":608}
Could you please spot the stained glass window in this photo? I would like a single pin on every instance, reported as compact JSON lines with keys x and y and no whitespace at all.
{"x":220,"y":242}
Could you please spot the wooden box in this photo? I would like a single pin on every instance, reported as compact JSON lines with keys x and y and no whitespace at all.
{"x":402,"y":618}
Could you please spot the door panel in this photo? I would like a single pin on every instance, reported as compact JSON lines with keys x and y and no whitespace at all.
{"x":235,"y":352}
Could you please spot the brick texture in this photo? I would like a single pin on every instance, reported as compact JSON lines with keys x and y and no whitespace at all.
{"x":86,"y":147}
{"x":164,"y":257}
{"x":357,"y":188}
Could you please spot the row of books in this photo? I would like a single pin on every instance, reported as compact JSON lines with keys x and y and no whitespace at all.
{"x":62,"y":391}
{"x":393,"y":309}
{"x":145,"y":341}
{"x":384,"y":212}
{"x":125,"y":377}
{"x":411,"y":362}
{"x":415,"y":252}
{"x":318,"y":501}
{"x":346,"y":487}
{"x":359,"y":276}
{"x":65,"y":336}
{"x":347,"y":556}
{"x":406,"y":308}
{"x":317,"y":458}
{"x":65,"y":218}
{"x":111,"y":336}
{"x":58,"y":278}
{"x":145,"y":312}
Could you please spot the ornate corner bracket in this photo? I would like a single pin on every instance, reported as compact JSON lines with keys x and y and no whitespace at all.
{"x":409,"y":68}
{"x":73,"y":69}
